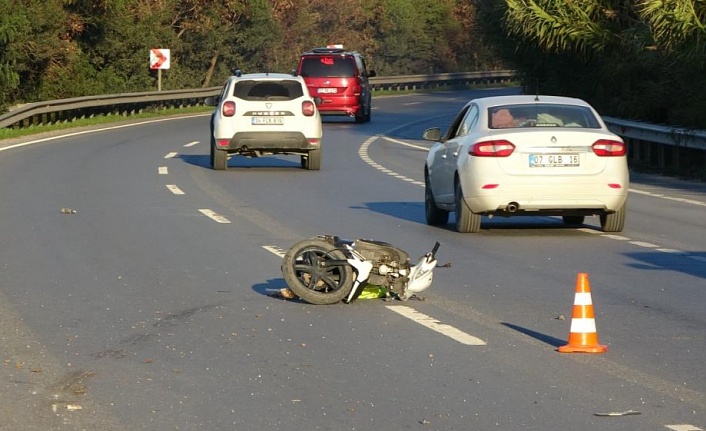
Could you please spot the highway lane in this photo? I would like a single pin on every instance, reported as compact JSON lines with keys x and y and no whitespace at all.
{"x":167,"y":312}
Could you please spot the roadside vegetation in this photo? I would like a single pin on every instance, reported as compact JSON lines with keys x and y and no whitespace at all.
{"x":639,"y":59}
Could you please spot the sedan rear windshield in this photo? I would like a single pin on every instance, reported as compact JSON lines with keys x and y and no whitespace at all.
{"x":541,"y":115}
{"x":328,"y":66}
{"x":268,"y":90}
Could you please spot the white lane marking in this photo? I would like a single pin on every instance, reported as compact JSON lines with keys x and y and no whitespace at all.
{"x":163,"y":170}
{"x":670,"y":198}
{"x":412,"y":103}
{"x":406,"y":144}
{"x":616,"y":237}
{"x":363,"y":153}
{"x":102,"y":129}
{"x":214,"y":215}
{"x":174,"y":189}
{"x":683,"y":427}
{"x":170,"y":155}
{"x":191,"y":144}
{"x":274,"y":250}
{"x":644,"y":244}
{"x":437,"y":326}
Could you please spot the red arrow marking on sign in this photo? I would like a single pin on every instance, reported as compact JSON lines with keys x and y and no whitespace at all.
{"x":161,"y":58}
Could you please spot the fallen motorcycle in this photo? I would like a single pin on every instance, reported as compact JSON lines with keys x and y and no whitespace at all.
{"x":327,"y":269}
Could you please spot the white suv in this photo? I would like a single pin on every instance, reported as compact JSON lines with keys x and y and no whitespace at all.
{"x":265,"y":113}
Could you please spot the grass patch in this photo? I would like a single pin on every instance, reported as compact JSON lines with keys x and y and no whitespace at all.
{"x":13,"y":133}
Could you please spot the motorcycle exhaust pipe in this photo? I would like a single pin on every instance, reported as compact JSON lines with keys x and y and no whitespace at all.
{"x":512,"y":207}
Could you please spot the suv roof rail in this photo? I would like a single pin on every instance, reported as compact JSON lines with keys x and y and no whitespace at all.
{"x":293,"y":72}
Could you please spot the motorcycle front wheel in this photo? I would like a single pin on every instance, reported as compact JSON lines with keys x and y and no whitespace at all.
{"x":317,"y":272}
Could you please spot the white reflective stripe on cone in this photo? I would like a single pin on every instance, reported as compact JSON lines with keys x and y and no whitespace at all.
{"x":581,"y":325}
{"x":583,"y":298}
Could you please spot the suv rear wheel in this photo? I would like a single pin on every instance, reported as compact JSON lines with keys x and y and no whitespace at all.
{"x":219,"y":158}
{"x":312,"y":161}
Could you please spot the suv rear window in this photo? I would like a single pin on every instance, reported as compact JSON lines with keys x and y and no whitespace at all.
{"x":268,"y":90}
{"x":330,"y":66}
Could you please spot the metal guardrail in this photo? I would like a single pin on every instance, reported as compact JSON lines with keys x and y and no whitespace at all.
{"x":667,"y":148}
{"x":62,"y":110}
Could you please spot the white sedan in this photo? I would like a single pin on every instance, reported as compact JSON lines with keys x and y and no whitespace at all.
{"x":526,"y":156}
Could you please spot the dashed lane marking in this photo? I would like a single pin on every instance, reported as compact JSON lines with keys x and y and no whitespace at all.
{"x":274,"y":250}
{"x":163,"y":170}
{"x":214,"y":216}
{"x":191,"y":144}
{"x":437,"y":326}
{"x":174,"y":189}
{"x":683,"y":427}
{"x":171,"y":155}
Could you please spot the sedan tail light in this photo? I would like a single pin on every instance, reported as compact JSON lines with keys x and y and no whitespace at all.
{"x":308,"y":108}
{"x":608,"y":148}
{"x":493,"y":148}
{"x":228,"y":109}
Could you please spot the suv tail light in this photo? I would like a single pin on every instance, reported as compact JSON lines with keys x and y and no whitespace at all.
{"x":493,"y":148}
{"x":308,"y":108}
{"x":228,"y":109}
{"x":608,"y":148}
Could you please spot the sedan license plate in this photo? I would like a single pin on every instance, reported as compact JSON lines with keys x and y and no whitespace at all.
{"x":326,"y":90}
{"x":553,"y":160}
{"x":267,"y":120}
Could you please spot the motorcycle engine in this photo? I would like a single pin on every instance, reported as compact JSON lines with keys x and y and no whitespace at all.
{"x":387,"y":262}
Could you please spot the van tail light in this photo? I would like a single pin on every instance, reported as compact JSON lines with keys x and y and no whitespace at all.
{"x":228,"y":109}
{"x":492,"y":148}
{"x":609,"y":148}
{"x":357,"y":89}
{"x":308,"y":108}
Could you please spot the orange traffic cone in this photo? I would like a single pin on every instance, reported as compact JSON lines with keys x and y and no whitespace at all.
{"x":583,"y":337}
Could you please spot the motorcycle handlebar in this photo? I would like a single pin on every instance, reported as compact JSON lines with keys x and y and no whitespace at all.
{"x":435,"y":249}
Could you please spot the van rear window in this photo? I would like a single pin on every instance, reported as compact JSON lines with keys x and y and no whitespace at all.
{"x":327,"y":66}
{"x":268,"y":90}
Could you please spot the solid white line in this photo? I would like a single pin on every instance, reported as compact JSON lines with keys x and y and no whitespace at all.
{"x":170,"y":155}
{"x":683,"y":427}
{"x":163,"y":170}
{"x":435,"y":325}
{"x":644,"y":244}
{"x":191,"y":144}
{"x":274,"y":250}
{"x":102,"y":129}
{"x":214,"y":216}
{"x":174,"y":189}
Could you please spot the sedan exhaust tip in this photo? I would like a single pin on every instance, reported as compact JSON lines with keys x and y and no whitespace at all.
{"x":512,"y":207}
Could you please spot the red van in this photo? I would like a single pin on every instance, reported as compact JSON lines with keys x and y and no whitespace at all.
{"x":341,"y":79}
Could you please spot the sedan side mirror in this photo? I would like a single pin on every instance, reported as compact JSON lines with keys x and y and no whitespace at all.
{"x":433,"y":134}
{"x":211,"y":101}
{"x":318,"y":101}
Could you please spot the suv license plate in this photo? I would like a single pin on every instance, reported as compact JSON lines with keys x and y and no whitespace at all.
{"x":326,"y":90}
{"x":553,"y":160}
{"x":267,"y":120}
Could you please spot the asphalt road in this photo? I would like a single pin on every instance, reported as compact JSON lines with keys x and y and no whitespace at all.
{"x":149,"y":302}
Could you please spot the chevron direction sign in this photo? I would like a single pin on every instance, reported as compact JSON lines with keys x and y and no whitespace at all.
{"x":159,"y":58}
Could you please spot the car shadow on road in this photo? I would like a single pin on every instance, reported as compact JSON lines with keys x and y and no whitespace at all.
{"x":237,"y":162}
{"x":414,"y":212}
{"x":690,"y":263}
{"x":552,"y":341}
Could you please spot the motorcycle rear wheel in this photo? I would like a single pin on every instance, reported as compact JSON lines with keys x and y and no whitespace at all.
{"x":316,"y":284}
